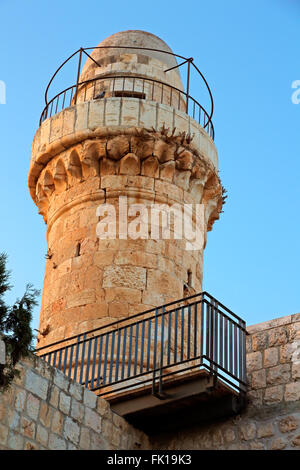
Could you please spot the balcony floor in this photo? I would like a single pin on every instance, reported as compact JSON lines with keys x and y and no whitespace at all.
{"x":185,"y":401}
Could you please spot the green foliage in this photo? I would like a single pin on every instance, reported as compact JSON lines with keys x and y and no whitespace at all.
{"x":15,"y":328}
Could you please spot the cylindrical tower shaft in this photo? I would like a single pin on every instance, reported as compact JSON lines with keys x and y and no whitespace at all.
{"x":128,"y":136}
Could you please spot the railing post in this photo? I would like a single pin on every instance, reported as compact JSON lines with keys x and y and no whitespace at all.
{"x":188,"y":87}
{"x":202,"y":330}
{"x":78,"y":74}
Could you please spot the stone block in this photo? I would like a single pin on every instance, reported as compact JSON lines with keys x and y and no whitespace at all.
{"x":278,"y":336}
{"x":254,"y":361}
{"x":296,"y":371}
{"x":130,"y":112}
{"x":118,"y":309}
{"x":83,"y":297}
{"x":64,"y":403}
{"x":286,"y":351}
{"x":273,"y":395}
{"x":61,"y":380}
{"x":77,"y":410}
{"x":278,"y":374}
{"x":81,"y":121}
{"x":92,"y":420}
{"x":130,"y":165}
{"x":57,"y":422}
{"x":296,"y":441}
{"x":103,"y":408}
{"x":56,"y":127}
{"x":76,"y":390}
{"x":84,"y":442}
{"x":271,"y":357}
{"x":15,"y":441}
{"x":229,"y":435}
{"x":13,"y":419}
{"x":181,"y":122}
{"x":54,"y":396}
{"x":97,"y":442}
{"x":20,"y":399}
{"x":32,"y":406}
{"x":167,"y":171}
{"x":278,"y":443}
{"x":124,"y":276}
{"x":104,"y":258}
{"x":44,"y":133}
{"x":265,"y":430}
{"x":57,"y":443}
{"x":112,"y":112}
{"x":170,"y":190}
{"x":148,"y":114}
{"x":257,"y":445}
{"x":89,"y":398}
{"x":96,"y":116}
{"x":113,"y":182}
{"x":150,"y":167}
{"x":42,"y":435}
{"x":3,"y":434}
{"x":247,"y":431}
{"x":45,"y":414}
{"x":36,"y":384}
{"x":27,"y":427}
{"x":292,"y":392}
{"x":159,"y":282}
{"x":136,"y":258}
{"x":288,"y":424}
{"x":259,"y":341}
{"x":68,"y":121}
{"x":113,"y":294}
{"x":71,"y":431}
{"x":258,"y":379}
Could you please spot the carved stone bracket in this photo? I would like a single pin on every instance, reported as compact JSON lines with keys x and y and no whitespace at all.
{"x":162,"y":155}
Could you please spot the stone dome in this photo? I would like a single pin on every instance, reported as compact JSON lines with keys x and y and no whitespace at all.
{"x":134,"y":61}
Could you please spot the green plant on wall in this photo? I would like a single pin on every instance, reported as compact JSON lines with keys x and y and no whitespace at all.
{"x":15,"y":325}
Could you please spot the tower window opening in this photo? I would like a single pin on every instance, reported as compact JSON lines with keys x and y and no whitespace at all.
{"x":77,"y":250}
{"x":189,"y":278}
{"x":129,"y":94}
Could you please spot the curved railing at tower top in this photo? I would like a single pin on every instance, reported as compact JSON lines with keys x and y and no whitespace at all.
{"x":185,"y":102}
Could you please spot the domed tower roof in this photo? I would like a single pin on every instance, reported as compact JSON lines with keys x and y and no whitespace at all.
{"x":113,"y":56}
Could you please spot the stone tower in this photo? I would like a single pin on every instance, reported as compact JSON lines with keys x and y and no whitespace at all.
{"x":137,"y":141}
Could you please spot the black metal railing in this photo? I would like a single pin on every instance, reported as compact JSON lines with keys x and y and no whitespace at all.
{"x":130,"y":86}
{"x":189,"y":335}
{"x":194,"y":109}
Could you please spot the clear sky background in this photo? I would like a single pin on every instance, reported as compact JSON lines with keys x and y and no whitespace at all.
{"x":249,"y":54}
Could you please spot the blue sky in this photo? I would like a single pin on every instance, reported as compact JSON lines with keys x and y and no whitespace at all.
{"x":249,"y":54}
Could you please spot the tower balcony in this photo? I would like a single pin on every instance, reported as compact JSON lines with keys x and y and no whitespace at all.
{"x":184,"y":361}
{"x":129,"y":87}
{"x":124,"y":85}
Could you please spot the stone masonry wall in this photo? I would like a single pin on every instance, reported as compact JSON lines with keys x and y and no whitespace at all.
{"x":45,"y":410}
{"x":271,"y":421}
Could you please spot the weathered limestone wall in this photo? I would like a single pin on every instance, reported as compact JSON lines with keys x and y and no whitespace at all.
{"x":45,"y":410}
{"x":271,"y":420}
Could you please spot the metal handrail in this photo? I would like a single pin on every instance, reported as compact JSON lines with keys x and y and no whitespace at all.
{"x":197,"y":332}
{"x":197,"y":110}
{"x":187,"y":60}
